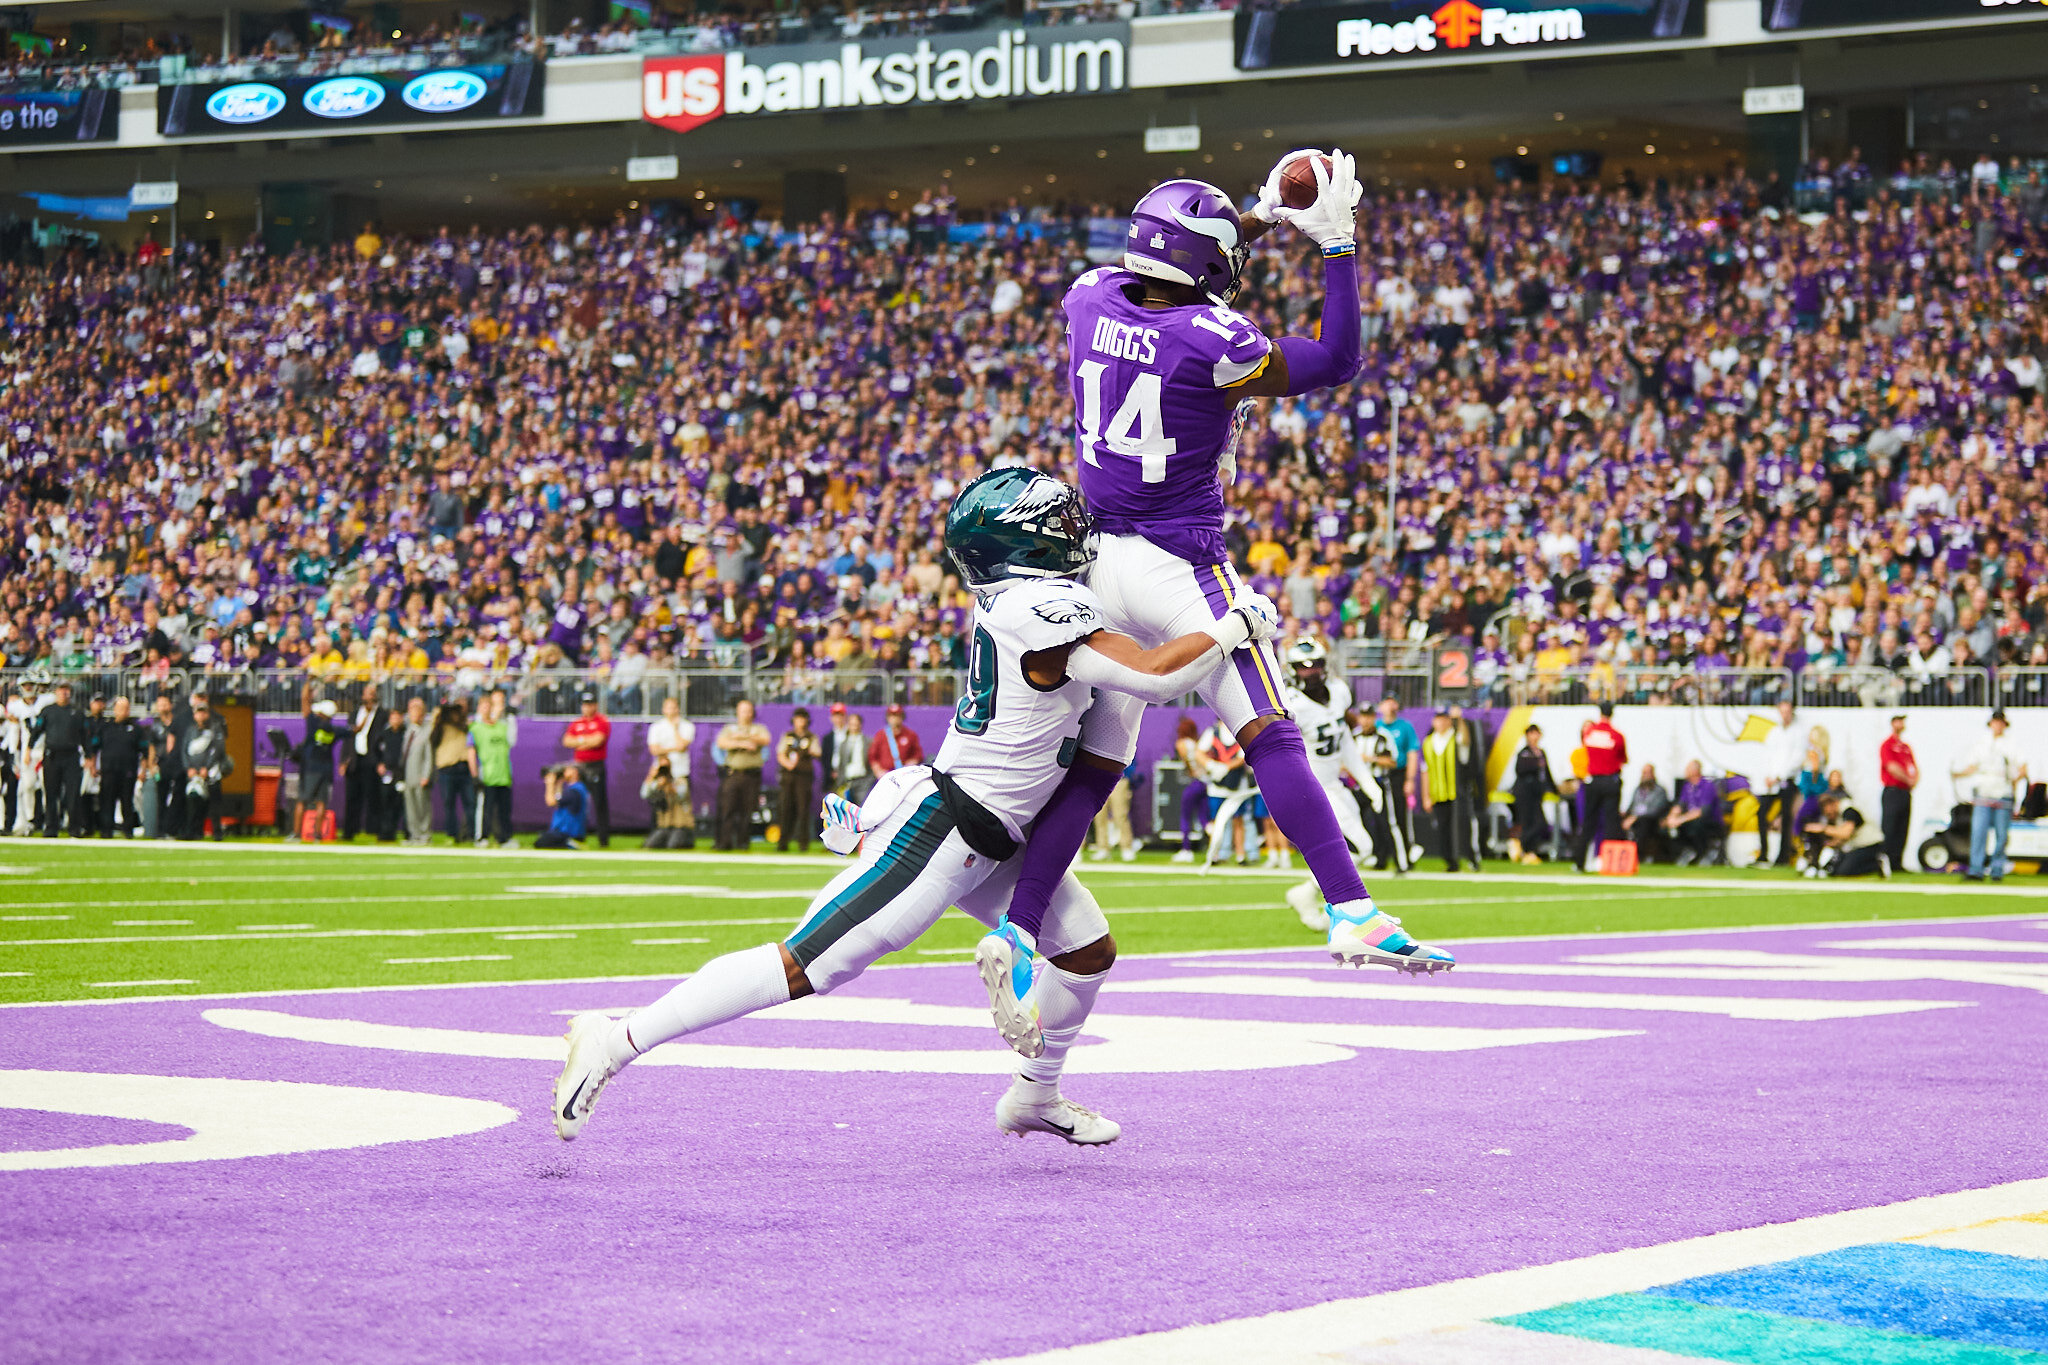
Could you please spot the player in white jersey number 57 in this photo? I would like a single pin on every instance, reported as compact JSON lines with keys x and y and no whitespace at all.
{"x":1320,"y":704}
{"x":947,"y":834}
{"x":1158,"y":363}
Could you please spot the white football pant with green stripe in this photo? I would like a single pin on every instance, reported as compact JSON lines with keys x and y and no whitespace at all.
{"x":912,"y":868}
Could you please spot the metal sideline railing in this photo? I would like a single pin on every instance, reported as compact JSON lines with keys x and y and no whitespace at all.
{"x":2021,"y":685}
{"x":1583,"y":684}
{"x":545,"y":693}
{"x":702,"y":693}
{"x":1405,"y":670}
{"x":1881,"y":687}
{"x":1408,"y":674}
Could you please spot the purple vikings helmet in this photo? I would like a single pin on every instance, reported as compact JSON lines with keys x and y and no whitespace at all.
{"x":1186,"y":231}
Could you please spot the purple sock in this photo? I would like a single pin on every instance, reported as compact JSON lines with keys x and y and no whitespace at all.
{"x":1280,"y":761}
{"x":1061,"y":829}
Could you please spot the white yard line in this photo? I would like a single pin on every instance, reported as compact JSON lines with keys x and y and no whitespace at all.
{"x":287,"y":852}
{"x":520,"y":893}
{"x":1113,"y":911}
{"x":323,"y":878}
{"x":439,"y":931}
{"x":1784,"y":1008}
{"x":1310,"y":949}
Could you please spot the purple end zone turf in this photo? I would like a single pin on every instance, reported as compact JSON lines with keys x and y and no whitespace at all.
{"x":775,"y":1215}
{"x":36,"y":1130}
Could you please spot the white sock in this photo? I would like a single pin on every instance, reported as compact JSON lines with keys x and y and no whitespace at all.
{"x":1359,"y":911}
{"x":723,"y":989}
{"x":1064,"y":999}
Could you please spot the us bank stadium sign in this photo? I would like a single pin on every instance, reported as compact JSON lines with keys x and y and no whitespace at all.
{"x":335,"y":104}
{"x":1384,"y":31}
{"x":682,"y":93}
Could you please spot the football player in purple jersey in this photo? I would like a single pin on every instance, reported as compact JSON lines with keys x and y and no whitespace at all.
{"x":1158,"y":365}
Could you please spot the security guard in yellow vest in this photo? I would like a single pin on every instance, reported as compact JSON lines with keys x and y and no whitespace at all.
{"x":1444,"y":795}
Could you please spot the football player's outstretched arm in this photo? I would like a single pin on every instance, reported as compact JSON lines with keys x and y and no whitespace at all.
{"x":1332,"y":356}
{"x":1117,"y":663}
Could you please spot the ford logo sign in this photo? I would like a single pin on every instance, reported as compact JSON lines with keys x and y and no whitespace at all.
{"x":344,"y":97}
{"x":249,"y":102}
{"x":444,"y":92}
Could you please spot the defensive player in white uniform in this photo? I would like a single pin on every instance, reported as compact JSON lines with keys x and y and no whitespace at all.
{"x":948,"y":834}
{"x":1320,"y":705}
{"x":23,"y":712}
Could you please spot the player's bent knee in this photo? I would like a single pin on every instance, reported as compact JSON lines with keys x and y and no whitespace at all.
{"x":799,"y":983}
{"x":1098,"y":956}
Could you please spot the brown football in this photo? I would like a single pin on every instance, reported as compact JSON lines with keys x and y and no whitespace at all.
{"x":1298,"y":187}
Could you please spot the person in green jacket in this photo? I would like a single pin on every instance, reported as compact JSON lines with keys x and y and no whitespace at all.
{"x":490,"y":761}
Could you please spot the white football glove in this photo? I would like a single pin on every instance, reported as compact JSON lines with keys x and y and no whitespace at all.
{"x":1251,"y":617}
{"x":1261,"y":617}
{"x":841,"y":824}
{"x":1267,"y":210}
{"x":1331,"y":221}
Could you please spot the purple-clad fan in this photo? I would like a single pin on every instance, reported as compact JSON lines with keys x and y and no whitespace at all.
{"x":1158,"y":365}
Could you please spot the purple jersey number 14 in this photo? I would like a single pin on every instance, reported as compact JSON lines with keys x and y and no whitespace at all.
{"x":1138,"y":427}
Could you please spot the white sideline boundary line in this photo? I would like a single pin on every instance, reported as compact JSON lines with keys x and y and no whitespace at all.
{"x":1345,"y":1325}
{"x":676,"y":858}
{"x":679,"y":858}
{"x":278,"y":935}
{"x":1307,"y":948}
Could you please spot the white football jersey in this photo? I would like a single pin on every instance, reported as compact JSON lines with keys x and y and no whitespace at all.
{"x":1323,"y":728}
{"x":25,"y":741}
{"x":1012,"y":741}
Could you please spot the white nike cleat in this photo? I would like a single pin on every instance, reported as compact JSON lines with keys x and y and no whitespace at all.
{"x":583,"y":1077}
{"x":1003,"y":957}
{"x":1021,"y":1110}
{"x":1184,"y":856}
{"x":1307,"y":900}
{"x":1362,"y":933}
{"x":1130,"y":854}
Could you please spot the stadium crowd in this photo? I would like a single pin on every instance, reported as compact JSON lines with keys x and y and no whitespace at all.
{"x":1664,"y":427}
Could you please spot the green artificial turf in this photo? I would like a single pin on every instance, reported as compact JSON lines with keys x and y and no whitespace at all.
{"x":92,"y":920}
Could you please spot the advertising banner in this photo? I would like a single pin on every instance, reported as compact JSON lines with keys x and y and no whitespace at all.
{"x":682,"y":93}
{"x":1732,"y":741}
{"x":339,"y":104}
{"x":1783,"y":15}
{"x":1408,"y":30}
{"x":31,"y":118}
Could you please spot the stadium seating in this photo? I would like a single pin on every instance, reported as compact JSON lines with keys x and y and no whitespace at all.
{"x":1680,"y":431}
